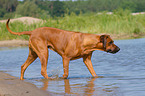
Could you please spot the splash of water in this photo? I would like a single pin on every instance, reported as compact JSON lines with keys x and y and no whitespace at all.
{"x":54,"y":74}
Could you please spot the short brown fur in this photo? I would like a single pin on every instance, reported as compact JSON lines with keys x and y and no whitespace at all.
{"x":68,"y":44}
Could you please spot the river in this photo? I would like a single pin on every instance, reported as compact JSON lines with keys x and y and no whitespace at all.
{"x":120,"y":74}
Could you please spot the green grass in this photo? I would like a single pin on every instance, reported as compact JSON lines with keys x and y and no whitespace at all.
{"x":114,"y":24}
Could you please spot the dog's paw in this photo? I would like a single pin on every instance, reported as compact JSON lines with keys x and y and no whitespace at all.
{"x":63,"y":77}
{"x":95,"y":76}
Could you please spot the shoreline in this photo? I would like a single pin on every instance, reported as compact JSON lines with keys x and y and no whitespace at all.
{"x":21,"y":42}
{"x":13,"y":43}
{"x":12,"y":86}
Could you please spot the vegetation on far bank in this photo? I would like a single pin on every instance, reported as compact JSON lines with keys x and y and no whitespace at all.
{"x":76,"y":15}
{"x":57,"y":8}
{"x":120,"y":24}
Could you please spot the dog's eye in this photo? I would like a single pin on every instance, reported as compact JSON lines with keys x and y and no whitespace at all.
{"x":111,"y":42}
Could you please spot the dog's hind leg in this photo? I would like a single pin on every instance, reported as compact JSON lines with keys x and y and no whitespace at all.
{"x":31,"y":57}
{"x":40,"y":48}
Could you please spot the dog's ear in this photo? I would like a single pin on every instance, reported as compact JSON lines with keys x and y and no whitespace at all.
{"x":103,"y":39}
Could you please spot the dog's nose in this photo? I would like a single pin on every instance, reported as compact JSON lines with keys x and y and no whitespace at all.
{"x":115,"y":50}
{"x":118,"y":49}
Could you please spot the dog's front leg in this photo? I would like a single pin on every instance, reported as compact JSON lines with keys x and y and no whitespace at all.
{"x":65,"y":67}
{"x":88,"y":63}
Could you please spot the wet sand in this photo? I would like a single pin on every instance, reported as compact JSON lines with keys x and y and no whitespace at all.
{"x":12,"y":86}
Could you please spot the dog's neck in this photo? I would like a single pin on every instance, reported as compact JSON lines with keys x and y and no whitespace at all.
{"x":91,"y":44}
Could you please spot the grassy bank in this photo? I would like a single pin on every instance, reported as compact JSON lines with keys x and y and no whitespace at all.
{"x":117,"y":25}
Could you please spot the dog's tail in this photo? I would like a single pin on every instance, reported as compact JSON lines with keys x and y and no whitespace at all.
{"x":19,"y":33}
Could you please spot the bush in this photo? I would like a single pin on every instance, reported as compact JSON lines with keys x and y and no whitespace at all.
{"x":28,"y":8}
{"x":116,"y":24}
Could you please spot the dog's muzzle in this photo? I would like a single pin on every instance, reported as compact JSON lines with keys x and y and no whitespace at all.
{"x":113,"y":51}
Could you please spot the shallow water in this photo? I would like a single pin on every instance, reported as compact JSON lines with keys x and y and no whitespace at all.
{"x":120,"y":74}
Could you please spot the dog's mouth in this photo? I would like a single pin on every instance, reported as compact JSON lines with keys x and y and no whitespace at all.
{"x":113,"y":51}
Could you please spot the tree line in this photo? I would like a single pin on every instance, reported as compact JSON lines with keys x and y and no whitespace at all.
{"x":56,"y":8}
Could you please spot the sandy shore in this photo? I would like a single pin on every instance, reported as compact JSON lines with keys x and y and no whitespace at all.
{"x":13,"y":43}
{"x":25,"y":20}
{"x":12,"y":86}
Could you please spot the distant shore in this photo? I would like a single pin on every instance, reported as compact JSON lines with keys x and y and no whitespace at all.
{"x":13,"y":43}
{"x":118,"y":26}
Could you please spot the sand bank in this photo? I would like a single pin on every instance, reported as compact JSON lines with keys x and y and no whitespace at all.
{"x":13,"y":43}
{"x":12,"y":86}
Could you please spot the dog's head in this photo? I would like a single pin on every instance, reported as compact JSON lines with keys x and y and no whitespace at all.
{"x":108,"y":44}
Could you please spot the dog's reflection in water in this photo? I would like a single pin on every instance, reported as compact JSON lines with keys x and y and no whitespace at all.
{"x":70,"y":87}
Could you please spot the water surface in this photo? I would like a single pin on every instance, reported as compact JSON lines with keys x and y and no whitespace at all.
{"x":120,"y":74}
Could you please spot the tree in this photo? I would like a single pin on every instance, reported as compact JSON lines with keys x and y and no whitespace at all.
{"x":54,"y":8}
{"x":57,"y":8}
{"x":8,"y":5}
{"x":140,"y":5}
{"x":2,"y":12}
{"x":28,"y":8}
{"x":129,"y":4}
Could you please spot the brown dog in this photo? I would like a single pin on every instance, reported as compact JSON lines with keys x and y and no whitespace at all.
{"x":69,"y":45}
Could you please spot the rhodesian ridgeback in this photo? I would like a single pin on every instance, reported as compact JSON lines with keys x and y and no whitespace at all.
{"x":68,"y":44}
